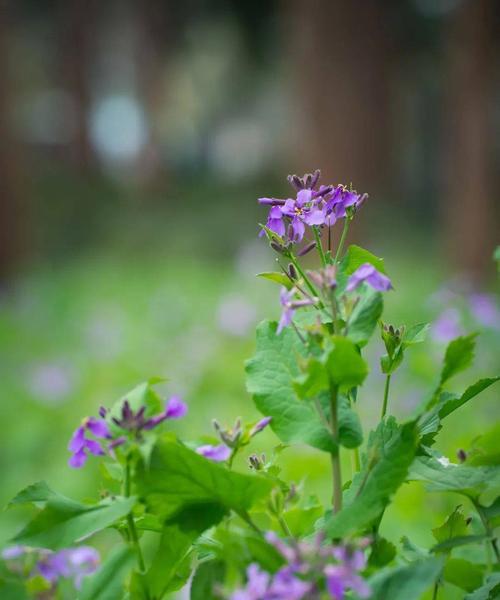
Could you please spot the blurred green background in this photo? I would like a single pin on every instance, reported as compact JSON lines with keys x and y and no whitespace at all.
{"x":135,"y":138}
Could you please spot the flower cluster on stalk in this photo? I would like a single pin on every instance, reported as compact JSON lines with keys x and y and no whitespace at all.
{"x":311,"y":569}
{"x":312,"y":206}
{"x":69,"y":563}
{"x":128,"y":426}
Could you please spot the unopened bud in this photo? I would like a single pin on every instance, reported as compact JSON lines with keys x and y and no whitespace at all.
{"x":292,"y":272}
{"x":306,"y":249}
{"x":315,"y":178}
{"x":277,"y":247}
{"x":461,"y":455}
{"x":103,"y":412}
{"x":256,"y":462}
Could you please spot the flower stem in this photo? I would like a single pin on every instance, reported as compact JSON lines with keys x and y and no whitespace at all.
{"x":131,"y":523}
{"x":319,"y":245}
{"x":336,"y":470}
{"x":248,"y":520}
{"x":306,"y":279}
{"x":356,"y":463}
{"x":386,"y":395}
{"x":284,"y":527}
{"x":342,"y":240}
{"x":487,"y":527}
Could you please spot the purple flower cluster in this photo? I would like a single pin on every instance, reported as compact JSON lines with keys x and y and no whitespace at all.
{"x":367,"y":273}
{"x":311,"y":207}
{"x":132,"y":423}
{"x":70,"y":563}
{"x":232,"y":439}
{"x":311,"y":570}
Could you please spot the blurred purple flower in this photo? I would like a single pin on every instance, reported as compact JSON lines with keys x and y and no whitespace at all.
{"x":174,"y":409}
{"x":51,"y":381}
{"x":368,"y":273}
{"x":236,"y":315}
{"x":12,"y":552}
{"x":218,"y":453}
{"x":256,"y":588}
{"x":447,"y":326}
{"x":485,"y":310}
{"x":79,"y":445}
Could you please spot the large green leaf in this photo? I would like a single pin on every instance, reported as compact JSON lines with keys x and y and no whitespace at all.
{"x":356,"y":256}
{"x":365,"y":316}
{"x":63,"y":522}
{"x":270,"y":375}
{"x":441,"y":475}
{"x":176,"y":477}
{"x":458,"y":357}
{"x":108,"y":582}
{"x":405,"y":583}
{"x":37,"y":492}
{"x":490,"y":590}
{"x":454,"y":526}
{"x":391,"y":450}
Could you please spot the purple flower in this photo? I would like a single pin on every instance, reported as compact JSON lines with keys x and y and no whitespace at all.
{"x":12,"y":552}
{"x":290,"y":305}
{"x":342,"y":199}
{"x":286,"y":586}
{"x":260,"y":425}
{"x":485,"y":310}
{"x":447,"y":326}
{"x":369,"y":274}
{"x":275,"y":221}
{"x":71,"y":563}
{"x":302,"y":211}
{"x":79,"y":445}
{"x":218,"y":453}
{"x":256,"y":588}
{"x":137,"y":422}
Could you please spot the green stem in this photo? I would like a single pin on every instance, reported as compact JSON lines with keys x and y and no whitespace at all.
{"x":284,"y":527}
{"x":386,"y":396}
{"x":306,"y":279}
{"x":248,"y":520}
{"x":435,"y":591}
{"x":342,"y":240}
{"x":356,"y":463}
{"x":336,"y":470}
{"x":319,"y":245}
{"x":131,"y":523}
{"x":487,"y":527}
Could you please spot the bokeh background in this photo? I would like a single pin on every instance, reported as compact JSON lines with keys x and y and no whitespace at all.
{"x":135,"y":137}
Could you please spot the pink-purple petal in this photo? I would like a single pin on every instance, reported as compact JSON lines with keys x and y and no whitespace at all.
{"x":78,"y":459}
{"x":176,"y":408}
{"x":98,"y":427}
{"x":77,"y":440}
{"x":94,"y":447}
{"x":218,"y":453}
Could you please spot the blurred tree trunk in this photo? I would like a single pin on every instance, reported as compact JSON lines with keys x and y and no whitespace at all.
{"x":341,"y":54}
{"x":468,"y":201}
{"x":76,"y":20}
{"x":10,"y":178}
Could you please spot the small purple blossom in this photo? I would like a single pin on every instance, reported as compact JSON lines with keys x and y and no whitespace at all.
{"x":79,"y":445}
{"x":218,"y":453}
{"x":338,"y":203}
{"x":368,"y":273}
{"x":12,"y":552}
{"x":302,"y":211}
{"x":257,"y":583}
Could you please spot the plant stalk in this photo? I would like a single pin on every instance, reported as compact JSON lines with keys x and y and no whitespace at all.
{"x":336,"y":469}
{"x":131,"y":523}
{"x":319,"y":245}
{"x":386,"y":395}
{"x":342,"y":240}
{"x":306,"y":279}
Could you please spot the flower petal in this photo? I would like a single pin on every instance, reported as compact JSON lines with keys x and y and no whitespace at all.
{"x":98,"y":427}
{"x":94,"y":447}
{"x":78,"y":459}
{"x":176,"y":408}
{"x":216,"y":453}
{"x":77,"y":440}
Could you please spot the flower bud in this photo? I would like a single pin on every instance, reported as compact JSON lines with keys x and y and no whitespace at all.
{"x":277,"y":247}
{"x":461,"y":455}
{"x":306,"y":249}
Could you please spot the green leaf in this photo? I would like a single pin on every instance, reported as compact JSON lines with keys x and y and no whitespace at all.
{"x":463,"y":574}
{"x":455,"y":542}
{"x":411,"y":551}
{"x":445,"y":404}
{"x":415,"y":334}
{"x":454,"y":526}
{"x":301,"y":521}
{"x":270,"y":376}
{"x":350,"y":430}
{"x":345,"y":366}
{"x":176,"y":477}
{"x":365,"y":316}
{"x":489,"y":591}
{"x":63,"y":522}
{"x":108,"y":581}
{"x":206,"y":577}
{"x":277,"y":277}
{"x":405,"y":583}
{"x":12,"y":590}
{"x":458,"y":357}
{"x":357,"y":256}
{"x":443,"y":476}
{"x":382,"y":553}
{"x":142,"y":395}
{"x":391,"y":449}
{"x":37,"y":492}
{"x":485,"y":449}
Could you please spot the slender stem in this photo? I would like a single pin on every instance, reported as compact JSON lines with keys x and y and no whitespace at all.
{"x":386,"y":395}
{"x":336,"y":470}
{"x":306,"y":279}
{"x":356,"y":463}
{"x":330,"y":240}
{"x":248,"y":520}
{"x":487,"y":527}
{"x":284,"y":527}
{"x":342,"y":240}
{"x":131,"y":523}
{"x":435,"y":591}
{"x":319,"y":245}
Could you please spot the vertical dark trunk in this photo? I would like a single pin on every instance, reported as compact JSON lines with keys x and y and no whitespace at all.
{"x":468,"y":199}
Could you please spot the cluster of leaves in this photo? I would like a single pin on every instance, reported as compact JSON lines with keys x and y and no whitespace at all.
{"x":181,"y":519}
